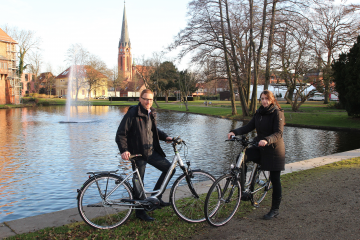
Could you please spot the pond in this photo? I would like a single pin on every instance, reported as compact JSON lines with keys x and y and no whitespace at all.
{"x":43,"y":162}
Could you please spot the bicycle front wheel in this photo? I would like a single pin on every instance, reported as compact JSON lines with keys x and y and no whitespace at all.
{"x":100,"y":201}
{"x":186,"y":204}
{"x":222,"y":200}
{"x":260,"y":185}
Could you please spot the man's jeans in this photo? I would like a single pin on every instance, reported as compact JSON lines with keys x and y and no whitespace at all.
{"x":157,"y":161}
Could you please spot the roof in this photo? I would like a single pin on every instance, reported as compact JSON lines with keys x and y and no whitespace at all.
{"x":82,"y":69}
{"x":124,"y":39}
{"x":6,"y":38}
{"x":45,"y":75}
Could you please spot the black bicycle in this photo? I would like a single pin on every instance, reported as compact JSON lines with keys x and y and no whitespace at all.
{"x":224,"y":196}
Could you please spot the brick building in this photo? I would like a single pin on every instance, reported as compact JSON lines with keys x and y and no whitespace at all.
{"x":9,"y":82}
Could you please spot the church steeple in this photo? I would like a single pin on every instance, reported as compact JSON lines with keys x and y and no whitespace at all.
{"x":124,"y":57}
{"x":124,"y":40}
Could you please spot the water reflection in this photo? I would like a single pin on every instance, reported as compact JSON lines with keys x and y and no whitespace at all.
{"x":43,"y":162}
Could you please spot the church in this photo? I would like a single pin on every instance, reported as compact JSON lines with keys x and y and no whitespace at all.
{"x":131,"y":81}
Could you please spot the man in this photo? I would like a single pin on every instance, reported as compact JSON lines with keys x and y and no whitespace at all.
{"x":138,"y":134}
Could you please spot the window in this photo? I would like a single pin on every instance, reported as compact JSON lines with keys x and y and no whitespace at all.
{"x":26,"y":77}
{"x":33,"y":78}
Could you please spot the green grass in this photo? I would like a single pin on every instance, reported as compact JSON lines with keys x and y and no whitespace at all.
{"x":312,"y":113}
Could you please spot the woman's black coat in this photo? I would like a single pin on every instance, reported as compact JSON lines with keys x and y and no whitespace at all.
{"x":269,"y":124}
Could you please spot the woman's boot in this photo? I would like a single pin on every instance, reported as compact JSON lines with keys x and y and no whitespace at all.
{"x":274,"y":211}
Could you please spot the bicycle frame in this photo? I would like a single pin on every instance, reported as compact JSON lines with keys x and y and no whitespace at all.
{"x":240,"y":162}
{"x":176,"y":159}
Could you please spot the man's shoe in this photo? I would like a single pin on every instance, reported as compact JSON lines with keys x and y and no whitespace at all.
{"x":143,"y":216}
{"x":273,"y":213}
{"x":164,"y":204}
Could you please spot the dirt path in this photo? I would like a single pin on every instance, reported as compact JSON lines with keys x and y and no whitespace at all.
{"x":323,"y":205}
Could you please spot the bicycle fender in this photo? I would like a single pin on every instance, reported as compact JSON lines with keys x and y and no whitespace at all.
{"x":82,"y":187}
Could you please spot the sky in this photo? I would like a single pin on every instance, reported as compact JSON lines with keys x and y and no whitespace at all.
{"x":97,"y":26}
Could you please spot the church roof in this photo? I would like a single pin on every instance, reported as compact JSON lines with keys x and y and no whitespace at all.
{"x":5,"y":38}
{"x":124,"y":40}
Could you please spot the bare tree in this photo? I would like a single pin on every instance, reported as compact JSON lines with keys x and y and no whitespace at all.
{"x":335,"y":29}
{"x":146,"y":70}
{"x":95,"y":78}
{"x":116,"y":79}
{"x":77,"y":58}
{"x":35,"y":60}
{"x":187,"y":84}
{"x":27,"y":41}
{"x":49,"y":80}
{"x":293,"y":52}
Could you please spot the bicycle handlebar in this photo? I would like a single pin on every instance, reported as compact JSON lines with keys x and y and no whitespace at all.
{"x":244,"y":141}
{"x":178,"y":140}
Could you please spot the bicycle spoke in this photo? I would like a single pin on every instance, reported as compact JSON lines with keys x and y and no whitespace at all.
{"x":185,"y":204}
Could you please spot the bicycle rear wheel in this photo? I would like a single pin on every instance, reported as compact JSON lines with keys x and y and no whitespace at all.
{"x":222,"y":200}
{"x":187,"y":206}
{"x":100,"y":213}
{"x":260,"y":185}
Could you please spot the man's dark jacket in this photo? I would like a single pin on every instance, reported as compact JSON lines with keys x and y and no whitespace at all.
{"x":132,"y":134}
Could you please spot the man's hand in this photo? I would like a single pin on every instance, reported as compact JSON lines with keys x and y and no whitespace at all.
{"x":125,"y":155}
{"x":230,"y":134}
{"x":169,"y":139}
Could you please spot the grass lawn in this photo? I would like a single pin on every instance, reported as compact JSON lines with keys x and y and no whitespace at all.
{"x":313,"y":113}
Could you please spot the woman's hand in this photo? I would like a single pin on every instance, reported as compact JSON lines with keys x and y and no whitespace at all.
{"x":230,"y":134}
{"x":169,"y":139}
{"x":262,"y":143}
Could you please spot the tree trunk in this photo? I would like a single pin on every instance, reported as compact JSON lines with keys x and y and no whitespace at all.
{"x":245,"y":110}
{"x":253,"y":105}
{"x":232,"y":97}
{"x":270,"y":46}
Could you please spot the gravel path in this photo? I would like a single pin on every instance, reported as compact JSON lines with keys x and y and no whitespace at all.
{"x":323,"y":204}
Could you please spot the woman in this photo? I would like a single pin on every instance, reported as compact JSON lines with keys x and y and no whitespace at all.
{"x":269,"y":124}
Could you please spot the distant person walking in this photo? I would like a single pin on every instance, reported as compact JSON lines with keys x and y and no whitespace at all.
{"x":138,"y":134}
{"x":269,"y":123}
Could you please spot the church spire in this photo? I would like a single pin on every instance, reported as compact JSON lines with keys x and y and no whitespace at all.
{"x":124,"y":40}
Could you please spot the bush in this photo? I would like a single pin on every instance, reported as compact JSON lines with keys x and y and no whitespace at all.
{"x":346,"y":73}
{"x":335,"y":105}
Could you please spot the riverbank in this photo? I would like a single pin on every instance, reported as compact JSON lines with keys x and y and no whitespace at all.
{"x":312,"y":114}
{"x":321,"y":195}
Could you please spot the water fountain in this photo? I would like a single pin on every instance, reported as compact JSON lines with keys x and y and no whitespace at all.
{"x":69,"y":95}
{"x":75,"y":72}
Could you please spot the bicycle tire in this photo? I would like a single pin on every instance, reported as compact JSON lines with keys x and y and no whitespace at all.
{"x":183,"y":201}
{"x":260,"y":185}
{"x":222,"y":200}
{"x":95,"y":211}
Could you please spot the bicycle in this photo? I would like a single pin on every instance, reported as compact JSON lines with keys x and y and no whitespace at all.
{"x":224,"y":196}
{"x":106,"y":201}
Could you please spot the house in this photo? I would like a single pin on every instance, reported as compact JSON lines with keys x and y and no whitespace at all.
{"x":85,"y":82}
{"x":9,"y":82}
{"x":27,"y":84}
{"x":46,"y":82}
